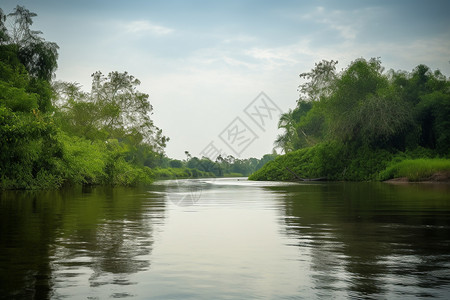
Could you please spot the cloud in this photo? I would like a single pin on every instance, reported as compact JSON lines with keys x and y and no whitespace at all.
{"x":278,"y":55}
{"x":348,"y":24}
{"x":344,"y":24}
{"x":143,"y":27}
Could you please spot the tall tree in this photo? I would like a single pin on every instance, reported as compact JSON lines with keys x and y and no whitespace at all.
{"x":286,"y":141}
{"x":363,"y":107}
{"x":319,"y":81}
{"x":123,"y":107}
{"x":114,"y":109}
{"x":39,"y":56}
{"x":4,"y":37}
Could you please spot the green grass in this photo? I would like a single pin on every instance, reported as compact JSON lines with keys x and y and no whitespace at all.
{"x":415,"y":169}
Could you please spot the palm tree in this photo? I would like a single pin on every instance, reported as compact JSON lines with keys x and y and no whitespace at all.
{"x":286,"y":140}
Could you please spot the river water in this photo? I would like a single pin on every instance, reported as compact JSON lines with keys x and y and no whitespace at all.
{"x":227,"y":239}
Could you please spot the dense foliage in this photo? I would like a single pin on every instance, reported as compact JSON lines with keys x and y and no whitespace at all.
{"x":53,"y":133}
{"x":351,"y":125}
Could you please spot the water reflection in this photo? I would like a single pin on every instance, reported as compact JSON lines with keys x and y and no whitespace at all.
{"x":53,"y":242}
{"x":237,"y":240}
{"x":372,"y":240}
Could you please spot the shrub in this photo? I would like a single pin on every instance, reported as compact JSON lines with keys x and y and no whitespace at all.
{"x":331,"y":160}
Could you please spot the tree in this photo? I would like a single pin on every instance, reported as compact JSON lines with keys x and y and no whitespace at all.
{"x":311,"y":125}
{"x":105,"y":136}
{"x":37,"y":55}
{"x":30,"y":154}
{"x":319,"y":81}
{"x":4,"y":37}
{"x":265,"y":159}
{"x":363,"y":108}
{"x":22,"y":49}
{"x":428,"y":93}
{"x":66,"y":92}
{"x":287,"y":139}
{"x":114,"y":109}
{"x":359,"y":105}
{"x":123,"y":110}
{"x":175,"y":163}
{"x":300,"y":129}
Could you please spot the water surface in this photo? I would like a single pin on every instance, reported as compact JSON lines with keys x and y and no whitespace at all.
{"x":227,"y":239}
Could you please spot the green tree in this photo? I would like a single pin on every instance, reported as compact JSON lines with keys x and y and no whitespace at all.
{"x":286,"y":141}
{"x":30,"y":154}
{"x":56,"y":134}
{"x":428,"y":93}
{"x":433,"y":114}
{"x":175,"y":163}
{"x":302,"y":128}
{"x":114,"y":109}
{"x":37,"y":55}
{"x":124,"y":110}
{"x":319,"y":81}
{"x":265,"y":159}
{"x":363,"y":107}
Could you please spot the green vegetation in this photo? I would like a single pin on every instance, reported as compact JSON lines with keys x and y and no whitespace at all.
{"x":194,"y":167}
{"x":361,"y":123}
{"x":357,"y":124}
{"x":54,"y":133}
{"x":330,"y":160}
{"x":418,"y":170}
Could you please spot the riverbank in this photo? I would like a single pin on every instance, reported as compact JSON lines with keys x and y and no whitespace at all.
{"x":417,"y":170}
{"x":438,"y":177}
{"x":335,"y":162}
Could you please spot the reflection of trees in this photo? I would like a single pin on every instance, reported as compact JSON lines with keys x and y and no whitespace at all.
{"x":57,"y":239}
{"x":26,"y":232}
{"x":117,"y":238}
{"x":363,"y":238}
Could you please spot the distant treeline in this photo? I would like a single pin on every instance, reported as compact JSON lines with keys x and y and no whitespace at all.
{"x":194,"y":167}
{"x":359,"y":123}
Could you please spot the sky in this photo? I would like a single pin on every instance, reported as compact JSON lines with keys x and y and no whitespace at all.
{"x":219,"y":73}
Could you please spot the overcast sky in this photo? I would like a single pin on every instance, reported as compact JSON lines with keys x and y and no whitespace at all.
{"x":203,"y":63}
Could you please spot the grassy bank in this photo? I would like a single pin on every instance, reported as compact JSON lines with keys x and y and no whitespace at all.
{"x":418,"y":170}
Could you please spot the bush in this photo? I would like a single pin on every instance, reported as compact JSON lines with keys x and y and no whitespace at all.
{"x":331,"y":160}
{"x":84,"y":162}
{"x":323,"y":160}
{"x":366,"y":163}
{"x":123,"y":173}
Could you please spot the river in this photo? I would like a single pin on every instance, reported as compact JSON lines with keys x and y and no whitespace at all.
{"x":227,"y":239}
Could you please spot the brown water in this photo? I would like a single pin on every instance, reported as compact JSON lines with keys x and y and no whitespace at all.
{"x":227,"y":239}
